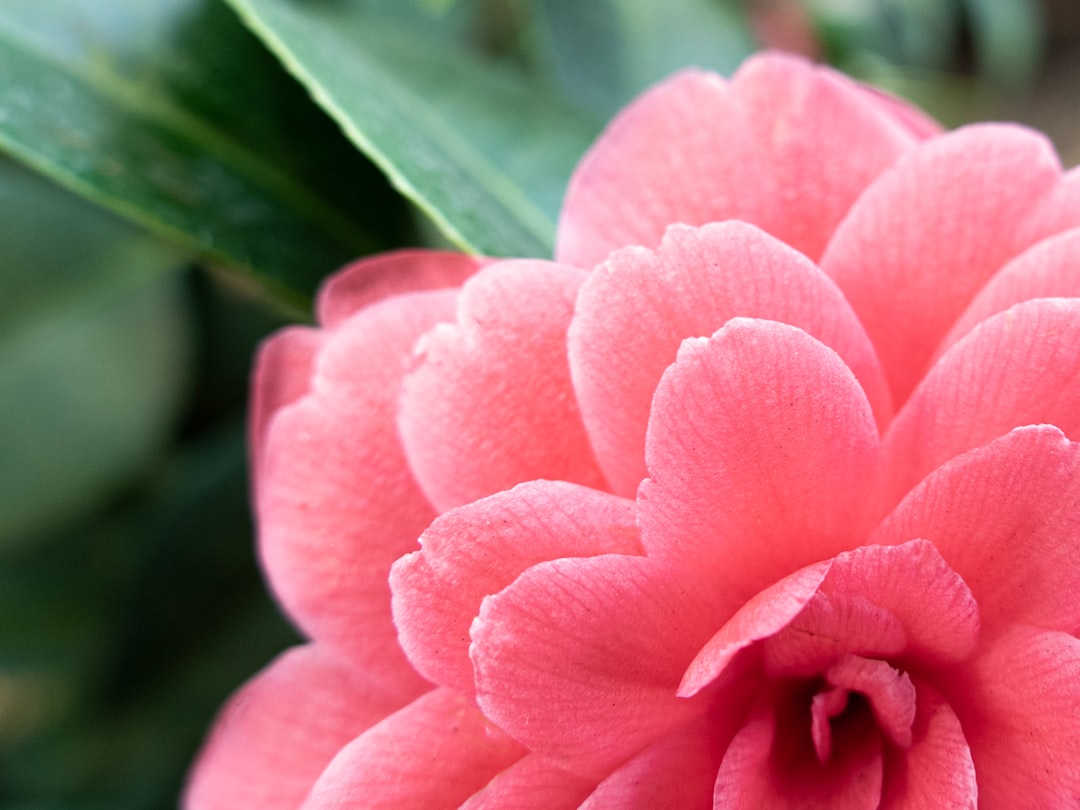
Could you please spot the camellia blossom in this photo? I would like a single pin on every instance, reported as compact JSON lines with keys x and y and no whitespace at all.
{"x":762,"y":494}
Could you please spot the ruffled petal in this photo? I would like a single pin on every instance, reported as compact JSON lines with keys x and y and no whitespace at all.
{"x":1006,"y":518}
{"x":1050,"y":269}
{"x":763,"y":456}
{"x":490,"y":403}
{"x":928,"y":234}
{"x":336,"y":502}
{"x":579,"y":659}
{"x":283,"y":369}
{"x":1020,"y":367}
{"x":370,"y":280}
{"x":936,"y":770}
{"x":433,"y":754}
{"x":479,"y":549}
{"x":1018,"y":706}
{"x":785,"y":146}
{"x":277,"y":734}
{"x":763,"y":616}
{"x":532,"y":783}
{"x":772,"y":763}
{"x":635,"y":310}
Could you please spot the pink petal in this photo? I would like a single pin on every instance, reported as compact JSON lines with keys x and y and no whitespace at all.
{"x":915,"y":121}
{"x":1047,"y":270}
{"x":1018,"y":707}
{"x":763,"y":455}
{"x":277,"y":734}
{"x":785,"y":146}
{"x":336,"y":502}
{"x":490,"y":404}
{"x":890,"y":692}
{"x":532,"y":783}
{"x":928,"y":234}
{"x":367,"y":281}
{"x":1006,"y":518}
{"x":763,"y":616}
{"x":579,"y":659}
{"x":679,"y":770}
{"x":282,"y":374}
{"x":1020,"y":367}
{"x":898,"y":602}
{"x":912,"y":581}
{"x":479,"y":549}
{"x":936,"y":770}
{"x":433,"y":754}
{"x":771,"y":763}
{"x":633,"y":312}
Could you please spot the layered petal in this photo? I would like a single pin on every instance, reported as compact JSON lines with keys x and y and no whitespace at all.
{"x":432,"y":754}
{"x":785,"y":146}
{"x":763,"y":456}
{"x":678,"y":770}
{"x":936,"y":769}
{"x":1049,"y":269}
{"x":283,"y":369}
{"x":1017,"y":705}
{"x":928,"y":234}
{"x":579,"y":659}
{"x":490,"y":404}
{"x":336,"y":502}
{"x":532,"y":783}
{"x":479,"y":549}
{"x":277,"y":734}
{"x":772,"y":763}
{"x":1020,"y":367}
{"x":1006,"y":518}
{"x":635,"y":310}
{"x":370,"y":280}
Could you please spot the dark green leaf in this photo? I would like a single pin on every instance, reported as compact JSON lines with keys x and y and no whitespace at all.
{"x":481,"y":152}
{"x":171,"y":114}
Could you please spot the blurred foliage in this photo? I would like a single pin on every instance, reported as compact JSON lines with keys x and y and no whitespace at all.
{"x":224,"y":156}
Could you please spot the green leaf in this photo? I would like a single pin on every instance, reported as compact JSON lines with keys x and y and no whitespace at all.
{"x":172,"y":115}
{"x":93,"y":354}
{"x":605,"y":52}
{"x":485,"y":155}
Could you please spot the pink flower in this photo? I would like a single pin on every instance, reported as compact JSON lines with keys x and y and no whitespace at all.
{"x":774,"y":507}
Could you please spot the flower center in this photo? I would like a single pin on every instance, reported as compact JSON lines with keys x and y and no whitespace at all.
{"x":853,"y":682}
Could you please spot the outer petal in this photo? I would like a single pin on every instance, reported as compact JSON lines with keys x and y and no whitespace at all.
{"x":1021,"y":367}
{"x":336,"y":502}
{"x":763,"y":455}
{"x":580,"y":658}
{"x":277,"y":734}
{"x":770,"y":764}
{"x":1018,"y":707}
{"x":433,"y":754}
{"x":936,"y":770}
{"x":928,"y":234}
{"x":367,"y":281}
{"x":479,"y":549}
{"x":634,"y":311}
{"x":785,"y":146}
{"x":282,"y":375}
{"x":1050,"y":269}
{"x":532,"y":783}
{"x":490,"y":404}
{"x":1006,"y":517}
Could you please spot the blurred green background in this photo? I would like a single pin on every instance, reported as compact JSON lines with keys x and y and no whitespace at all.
{"x":172,"y":193}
